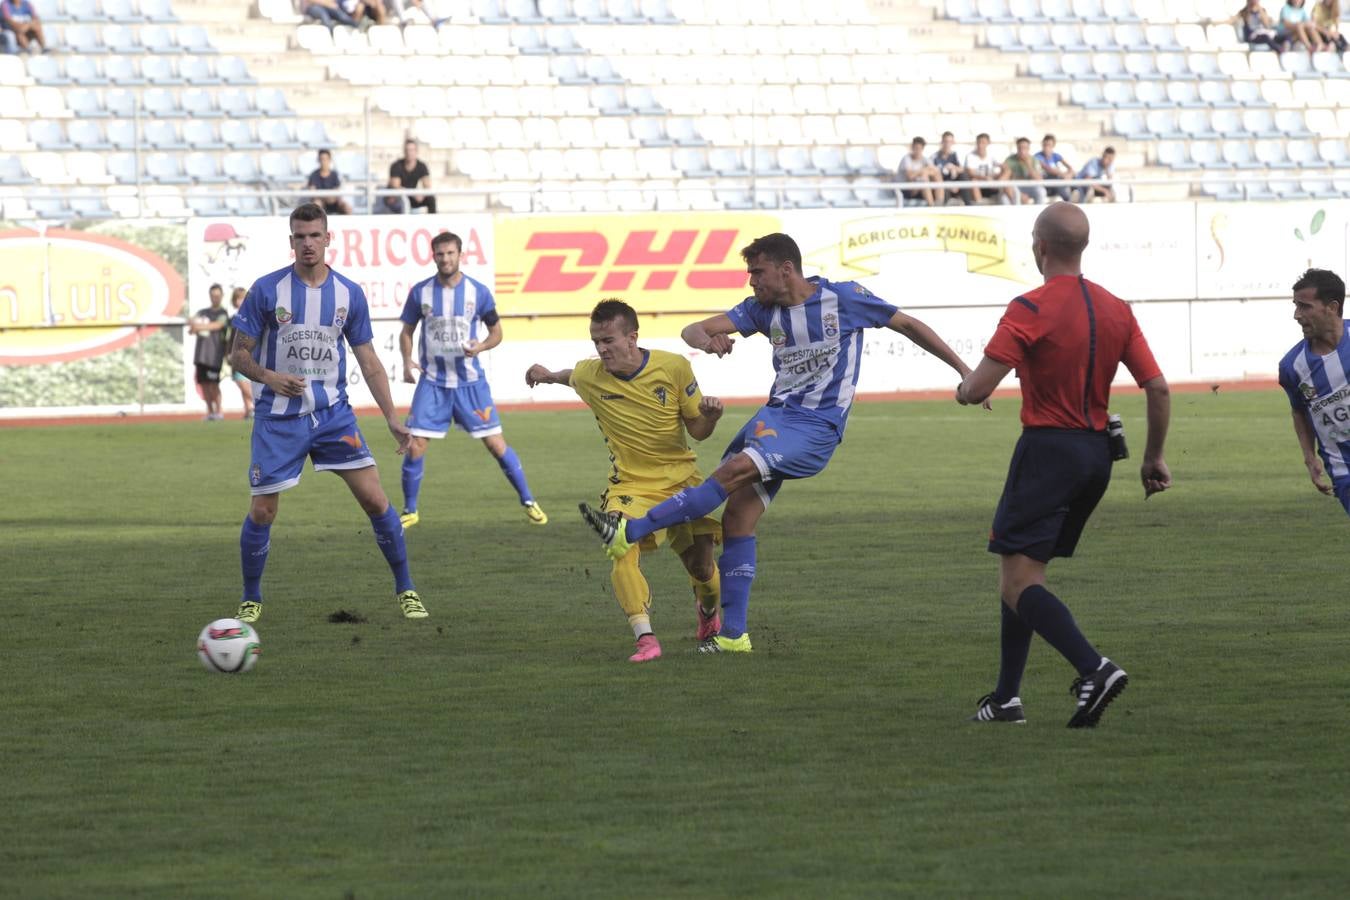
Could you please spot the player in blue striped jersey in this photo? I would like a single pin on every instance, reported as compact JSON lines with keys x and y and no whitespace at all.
{"x":1316,"y":376}
{"x":816,"y":329}
{"x":459,"y":323}
{"x":289,"y":341}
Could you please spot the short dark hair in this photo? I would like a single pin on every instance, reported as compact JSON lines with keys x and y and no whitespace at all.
{"x":216,"y":287}
{"x":948,"y":134}
{"x":614,"y":308}
{"x":983,"y":134}
{"x":309,"y":212}
{"x":1048,"y":137}
{"x":325,"y":152}
{"x":1328,"y":285}
{"x":776,"y":247}
{"x":1020,"y":141}
{"x":920,"y":141}
{"x":447,"y":237}
{"x":1111,"y":150}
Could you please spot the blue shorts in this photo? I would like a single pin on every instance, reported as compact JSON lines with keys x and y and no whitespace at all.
{"x":1055,"y":480}
{"x":329,"y":437}
{"x":784,"y":443}
{"x":468,"y":406}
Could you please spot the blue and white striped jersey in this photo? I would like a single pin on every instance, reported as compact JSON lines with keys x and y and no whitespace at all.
{"x":817,"y":345}
{"x":1318,"y":385}
{"x":449,"y":317}
{"x":299,"y":330}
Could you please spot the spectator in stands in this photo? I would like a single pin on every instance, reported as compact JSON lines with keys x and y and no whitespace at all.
{"x":915,"y":167}
{"x":1326,"y":17}
{"x":1257,"y":28}
{"x":408,"y":173}
{"x":326,"y":178}
{"x":421,"y":12}
{"x":1296,"y":25}
{"x":1054,"y":167}
{"x":1103,"y":170}
{"x":364,"y":9}
{"x":1022,"y":166}
{"x":23,"y":27}
{"x":948,"y":163}
{"x":980,"y":166}
{"x":325,"y":12}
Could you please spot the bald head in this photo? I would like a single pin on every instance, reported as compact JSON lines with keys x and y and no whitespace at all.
{"x":1063,"y":228}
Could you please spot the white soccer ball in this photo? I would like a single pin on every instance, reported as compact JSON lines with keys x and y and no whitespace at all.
{"x":228,"y":645}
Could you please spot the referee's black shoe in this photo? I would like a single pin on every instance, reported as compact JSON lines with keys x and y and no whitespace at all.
{"x":1095,"y":692}
{"x":990,"y":710}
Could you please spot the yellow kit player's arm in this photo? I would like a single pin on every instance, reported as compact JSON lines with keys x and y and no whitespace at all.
{"x":537,"y":374}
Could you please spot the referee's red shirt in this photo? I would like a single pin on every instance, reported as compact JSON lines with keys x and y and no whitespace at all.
{"x":1066,"y":339}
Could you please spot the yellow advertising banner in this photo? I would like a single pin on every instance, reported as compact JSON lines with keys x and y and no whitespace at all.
{"x":982,"y":240}
{"x":657,"y":262}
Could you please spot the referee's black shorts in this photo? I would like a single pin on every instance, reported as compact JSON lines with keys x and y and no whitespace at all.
{"x":1055,"y":480}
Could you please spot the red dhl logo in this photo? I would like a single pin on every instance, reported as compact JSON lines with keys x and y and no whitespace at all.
{"x":483,"y":414}
{"x":571,"y":261}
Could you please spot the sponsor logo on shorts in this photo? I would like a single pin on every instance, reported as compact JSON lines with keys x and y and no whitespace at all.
{"x":283,"y":315}
{"x":351,"y":440}
{"x":255,"y":475}
{"x":660,"y":395}
{"x":763,"y":431}
{"x":483,"y":414}
{"x":341,"y":318}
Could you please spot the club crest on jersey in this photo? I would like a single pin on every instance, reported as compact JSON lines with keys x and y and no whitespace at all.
{"x":626,"y":499}
{"x":341,"y":318}
{"x":831,"y":322}
{"x":426,"y":309}
{"x":860,"y":290}
{"x":660,"y":395}
{"x":1309,"y":392}
{"x":777,"y":336}
{"x":283,"y":315}
{"x":255,"y":475}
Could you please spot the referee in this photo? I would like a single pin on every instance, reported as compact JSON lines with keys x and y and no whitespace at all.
{"x":1066,"y":340}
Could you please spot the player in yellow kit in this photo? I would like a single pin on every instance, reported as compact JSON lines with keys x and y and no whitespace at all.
{"x":645,"y":401}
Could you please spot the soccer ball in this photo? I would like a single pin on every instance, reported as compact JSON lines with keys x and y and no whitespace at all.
{"x":228,"y":645}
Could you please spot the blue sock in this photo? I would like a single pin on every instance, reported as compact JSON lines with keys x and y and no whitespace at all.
{"x":389,"y":535}
{"x":1015,"y":644}
{"x":515,"y":473}
{"x":737,"y":565}
{"x":1050,"y":618}
{"x":254,"y":542}
{"x":412,"y":481}
{"x":686,"y":506}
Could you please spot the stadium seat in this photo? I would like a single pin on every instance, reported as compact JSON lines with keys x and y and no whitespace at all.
{"x":48,"y":135}
{"x":201,"y":135}
{"x":121,"y":133}
{"x":1226,"y":122}
{"x":1238,"y":153}
{"x":86,"y":134}
{"x":82,"y":38}
{"x":85,"y":103}
{"x":1174,"y":155}
{"x":160,"y":103}
{"x":236,"y":103}
{"x":47,"y":70}
{"x":278,"y":134}
{"x":237,"y":134}
{"x":1090,"y":11}
{"x":194,"y":39}
{"x":1271,"y":154}
{"x":165,"y":168}
{"x":1206,"y":155}
{"x":88,"y":168}
{"x":156,"y":10}
{"x":1067,"y":38}
{"x":159,"y":70}
{"x":1333,"y":153}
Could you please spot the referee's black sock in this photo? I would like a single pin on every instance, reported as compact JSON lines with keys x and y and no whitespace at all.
{"x":1051,"y":619}
{"x":1015,"y":644}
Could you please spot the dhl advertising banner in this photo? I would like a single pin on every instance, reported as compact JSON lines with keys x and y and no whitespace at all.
{"x":83,"y":317}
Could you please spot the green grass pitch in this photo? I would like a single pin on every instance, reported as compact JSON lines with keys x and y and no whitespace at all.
{"x":504,"y":747}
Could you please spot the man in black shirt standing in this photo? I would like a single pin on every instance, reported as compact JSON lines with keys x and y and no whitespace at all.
{"x":408,"y":173}
{"x":209,"y":326}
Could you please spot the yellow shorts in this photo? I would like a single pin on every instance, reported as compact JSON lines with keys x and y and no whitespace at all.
{"x":633,"y":501}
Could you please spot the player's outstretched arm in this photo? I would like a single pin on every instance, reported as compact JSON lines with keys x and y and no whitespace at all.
{"x":712,"y":335}
{"x":979,"y":384}
{"x":709,"y":413}
{"x":378,"y":381}
{"x":537,"y":374}
{"x":928,"y":340}
{"x":1307,"y":441}
{"x":1154,"y":473}
{"x":242,"y":361}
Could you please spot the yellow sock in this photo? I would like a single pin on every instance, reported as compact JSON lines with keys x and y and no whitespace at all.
{"x":709,"y":593}
{"x":633,"y":592}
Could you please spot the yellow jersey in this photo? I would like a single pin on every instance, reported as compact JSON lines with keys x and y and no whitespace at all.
{"x":642,"y":417}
